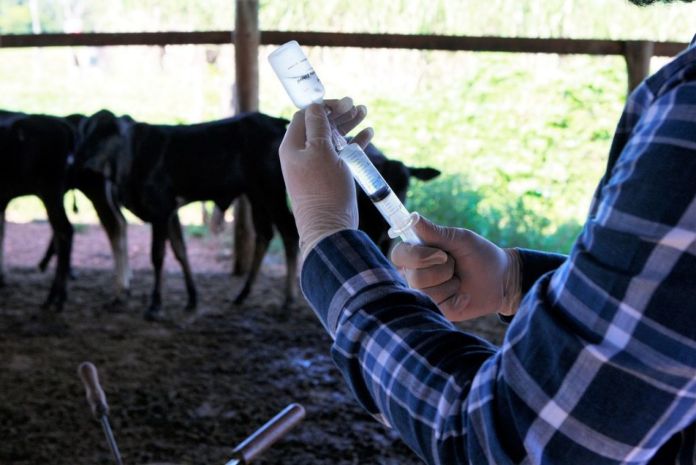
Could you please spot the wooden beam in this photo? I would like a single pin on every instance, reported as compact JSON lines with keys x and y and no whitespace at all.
{"x":246,"y":54}
{"x":337,"y":39}
{"x":103,"y":39}
{"x":246,"y":89}
{"x":638,"y":55}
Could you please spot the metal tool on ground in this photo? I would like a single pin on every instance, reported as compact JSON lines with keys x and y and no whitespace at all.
{"x":97,"y":402}
{"x":267,"y":435}
{"x":243,"y":454}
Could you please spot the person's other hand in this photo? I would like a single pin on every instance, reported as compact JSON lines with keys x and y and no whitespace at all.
{"x":319,"y":183}
{"x":466,"y":275}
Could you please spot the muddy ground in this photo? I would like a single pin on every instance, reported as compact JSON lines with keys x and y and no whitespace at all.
{"x":183,"y":390}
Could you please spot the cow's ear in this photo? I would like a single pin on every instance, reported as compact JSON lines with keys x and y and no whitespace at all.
{"x":424,"y":174}
{"x":124,"y":123}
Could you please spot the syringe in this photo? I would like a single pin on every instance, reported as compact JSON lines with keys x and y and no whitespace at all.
{"x":304,"y":87}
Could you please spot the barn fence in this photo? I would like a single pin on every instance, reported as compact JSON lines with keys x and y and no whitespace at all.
{"x":246,"y":37}
{"x":637,"y":53}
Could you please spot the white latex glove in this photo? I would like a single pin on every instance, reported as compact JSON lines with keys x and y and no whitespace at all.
{"x":319,"y":183}
{"x":466,"y":275}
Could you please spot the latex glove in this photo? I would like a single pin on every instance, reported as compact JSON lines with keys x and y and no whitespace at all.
{"x":319,"y":183}
{"x":466,"y":275}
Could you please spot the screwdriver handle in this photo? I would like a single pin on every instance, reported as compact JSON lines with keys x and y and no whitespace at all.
{"x":272,"y":431}
{"x":93,"y":390}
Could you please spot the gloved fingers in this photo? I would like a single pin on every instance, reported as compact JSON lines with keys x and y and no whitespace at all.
{"x":406,"y":255}
{"x":364,"y":137}
{"x":340,"y":106}
{"x":295,"y":135}
{"x":442,"y":237}
{"x":431,"y":276}
{"x":456,"y":307}
{"x":346,"y":114}
{"x":347,"y":122}
{"x":317,"y":123}
{"x":444,"y":291}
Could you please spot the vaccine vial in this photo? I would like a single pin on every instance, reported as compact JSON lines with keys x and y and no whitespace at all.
{"x":296,"y":74}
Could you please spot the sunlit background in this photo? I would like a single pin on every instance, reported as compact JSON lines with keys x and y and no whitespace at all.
{"x":521,"y":139}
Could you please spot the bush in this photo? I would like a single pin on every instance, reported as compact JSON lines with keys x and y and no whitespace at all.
{"x":451,"y":200}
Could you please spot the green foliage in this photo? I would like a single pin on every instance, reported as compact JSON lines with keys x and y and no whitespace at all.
{"x":196,"y":230}
{"x":452,"y":200}
{"x":79,"y":228}
{"x":521,"y":139}
{"x":15,"y":17}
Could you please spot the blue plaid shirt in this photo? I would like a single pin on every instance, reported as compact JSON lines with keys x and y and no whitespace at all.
{"x":599,"y":364}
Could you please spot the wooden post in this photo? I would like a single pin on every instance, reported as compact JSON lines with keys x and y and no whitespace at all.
{"x":246,"y":96}
{"x":638,"y":54}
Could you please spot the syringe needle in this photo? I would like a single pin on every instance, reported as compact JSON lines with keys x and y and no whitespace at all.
{"x":339,"y":142}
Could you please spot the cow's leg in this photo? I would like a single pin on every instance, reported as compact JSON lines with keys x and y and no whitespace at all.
{"x":159,"y":241}
{"x":285,"y":223}
{"x":176,"y":239}
{"x":115,"y":226}
{"x":50,"y":250}
{"x":62,"y":233}
{"x":3,"y":205}
{"x":264,"y":234}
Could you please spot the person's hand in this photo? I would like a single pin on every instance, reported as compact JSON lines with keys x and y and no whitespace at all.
{"x":466,"y":275}
{"x":319,"y":183}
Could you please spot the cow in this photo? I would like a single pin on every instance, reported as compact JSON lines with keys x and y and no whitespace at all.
{"x":155,"y":169}
{"x":36,"y":152}
{"x":102,"y":193}
{"x":398,"y":176}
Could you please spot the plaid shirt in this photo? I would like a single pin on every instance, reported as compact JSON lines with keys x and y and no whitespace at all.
{"x":599,"y":364}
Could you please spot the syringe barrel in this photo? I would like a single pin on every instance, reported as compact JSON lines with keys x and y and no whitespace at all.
{"x":296,"y":74}
{"x":379,"y":192}
{"x":304,"y":87}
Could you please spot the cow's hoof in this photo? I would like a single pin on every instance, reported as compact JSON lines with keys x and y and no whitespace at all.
{"x":239,"y":300}
{"x":152,"y":313}
{"x":56,"y":304}
{"x":288,"y":303}
{"x":115,"y":305}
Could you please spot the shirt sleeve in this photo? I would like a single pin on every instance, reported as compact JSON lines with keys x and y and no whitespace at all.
{"x":404,"y":362}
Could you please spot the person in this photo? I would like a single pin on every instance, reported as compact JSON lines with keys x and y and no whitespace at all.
{"x":598,"y":365}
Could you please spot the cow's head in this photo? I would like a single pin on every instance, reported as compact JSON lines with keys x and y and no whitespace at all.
{"x":102,"y":143}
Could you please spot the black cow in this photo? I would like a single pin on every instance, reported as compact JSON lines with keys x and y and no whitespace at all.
{"x":36,"y":155}
{"x":397,"y":175}
{"x":158,"y":168}
{"x":101,"y":191}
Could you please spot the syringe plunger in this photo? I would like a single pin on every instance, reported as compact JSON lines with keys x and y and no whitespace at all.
{"x":381,"y":195}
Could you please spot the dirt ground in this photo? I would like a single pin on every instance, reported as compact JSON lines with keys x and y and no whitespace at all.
{"x":184,"y":390}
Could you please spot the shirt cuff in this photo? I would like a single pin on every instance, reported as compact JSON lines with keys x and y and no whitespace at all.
{"x":534,"y":264}
{"x":340,"y":271}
